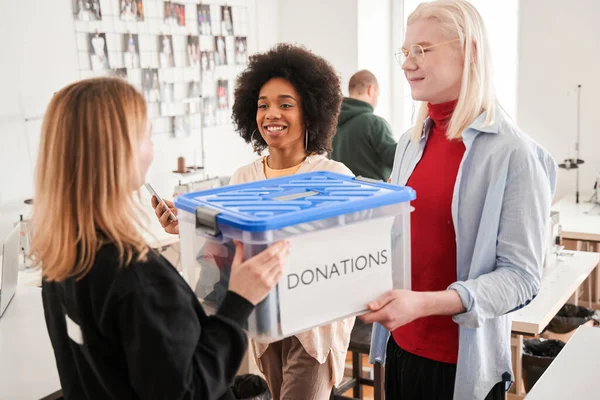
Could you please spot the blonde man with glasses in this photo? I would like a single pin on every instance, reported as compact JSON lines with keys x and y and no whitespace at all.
{"x":484,"y":191}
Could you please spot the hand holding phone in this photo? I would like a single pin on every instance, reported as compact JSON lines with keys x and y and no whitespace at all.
{"x":172,"y":217}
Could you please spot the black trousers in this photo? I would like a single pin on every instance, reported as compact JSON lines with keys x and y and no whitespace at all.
{"x":411,"y":377}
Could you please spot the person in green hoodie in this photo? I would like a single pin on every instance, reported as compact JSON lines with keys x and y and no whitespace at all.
{"x":363,"y":141}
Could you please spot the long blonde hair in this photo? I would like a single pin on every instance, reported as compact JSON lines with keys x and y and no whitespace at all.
{"x":459,"y":18}
{"x":84,"y":177}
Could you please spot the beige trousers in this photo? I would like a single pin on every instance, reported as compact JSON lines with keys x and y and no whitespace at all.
{"x":292,"y":374}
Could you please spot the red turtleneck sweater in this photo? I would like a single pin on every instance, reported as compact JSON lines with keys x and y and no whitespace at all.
{"x":433,"y":242}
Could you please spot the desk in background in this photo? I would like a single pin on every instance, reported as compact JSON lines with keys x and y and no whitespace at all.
{"x":27,"y":366}
{"x":559,"y":281}
{"x":573,"y":374}
{"x":581,"y":231}
{"x":576,"y":224}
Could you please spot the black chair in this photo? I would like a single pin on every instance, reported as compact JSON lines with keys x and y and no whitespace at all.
{"x":360,"y":343}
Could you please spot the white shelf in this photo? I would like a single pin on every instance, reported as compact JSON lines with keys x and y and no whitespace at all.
{"x":559,"y":281}
{"x":573,"y":374}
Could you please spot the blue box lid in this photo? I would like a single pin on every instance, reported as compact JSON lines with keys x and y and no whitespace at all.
{"x":280,"y":202}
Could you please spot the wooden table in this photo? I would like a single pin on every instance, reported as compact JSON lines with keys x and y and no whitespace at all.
{"x":559,"y":281}
{"x":573,"y":374}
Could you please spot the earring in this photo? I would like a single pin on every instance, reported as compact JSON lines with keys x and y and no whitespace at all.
{"x":252,"y":136}
{"x":306,"y":140}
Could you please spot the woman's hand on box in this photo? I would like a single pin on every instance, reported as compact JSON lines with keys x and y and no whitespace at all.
{"x":163,"y":216}
{"x":254,"y":278}
{"x":399,"y":307}
{"x":394,"y":309}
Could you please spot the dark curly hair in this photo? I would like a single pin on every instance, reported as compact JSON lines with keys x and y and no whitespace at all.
{"x":314,"y":79}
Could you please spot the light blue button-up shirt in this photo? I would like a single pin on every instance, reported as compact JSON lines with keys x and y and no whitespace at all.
{"x":500,"y":209}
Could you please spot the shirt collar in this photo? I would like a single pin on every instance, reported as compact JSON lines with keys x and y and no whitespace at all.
{"x":477,"y":126}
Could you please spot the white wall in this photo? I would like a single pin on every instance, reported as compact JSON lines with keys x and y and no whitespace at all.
{"x":501,"y":21}
{"x":350,"y":34}
{"x":558,"y":49}
{"x":31,"y":57}
{"x":374,"y":48}
{"x":40,"y":57}
{"x":401,"y":118}
{"x":328,"y":28}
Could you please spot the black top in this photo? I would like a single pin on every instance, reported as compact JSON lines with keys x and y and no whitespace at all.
{"x":144,"y":333}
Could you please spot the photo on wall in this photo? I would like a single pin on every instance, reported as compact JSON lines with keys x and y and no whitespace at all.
{"x":221,"y":56}
{"x":193,"y":107}
{"x":193,"y":51}
{"x":222,"y":94}
{"x":137,"y":40}
{"x":165,"y":44}
{"x":211,"y":61}
{"x":194,"y":90}
{"x":87,"y":10}
{"x":167,"y":99}
{"x":131,"y":10}
{"x":204,"y":24}
{"x":119,"y":73}
{"x":207,"y":61}
{"x":241,"y":51}
{"x":226,"y":21}
{"x":131,"y":55}
{"x":181,"y":126}
{"x":167,"y":92}
{"x":150,"y":85}
{"x":209,"y":112}
{"x":174,"y":14}
{"x":98,"y":51}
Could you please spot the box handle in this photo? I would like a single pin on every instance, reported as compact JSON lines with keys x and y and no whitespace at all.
{"x":206,"y":221}
{"x":368,"y":180}
{"x":296,"y":196}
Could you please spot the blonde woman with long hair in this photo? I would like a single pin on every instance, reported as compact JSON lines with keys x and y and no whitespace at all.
{"x":122,"y":321}
{"x":478,"y":229}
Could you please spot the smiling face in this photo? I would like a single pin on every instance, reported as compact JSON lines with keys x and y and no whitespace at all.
{"x":279,"y":115}
{"x":437,"y":78}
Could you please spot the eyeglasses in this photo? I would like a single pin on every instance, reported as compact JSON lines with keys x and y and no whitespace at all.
{"x":416,"y":52}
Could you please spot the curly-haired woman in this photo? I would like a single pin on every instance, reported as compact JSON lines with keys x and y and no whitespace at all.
{"x":287,"y":101}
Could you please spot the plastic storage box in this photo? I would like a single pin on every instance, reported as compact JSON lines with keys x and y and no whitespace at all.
{"x":350,"y":243}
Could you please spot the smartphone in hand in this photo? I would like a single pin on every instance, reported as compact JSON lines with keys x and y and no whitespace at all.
{"x":172,"y":217}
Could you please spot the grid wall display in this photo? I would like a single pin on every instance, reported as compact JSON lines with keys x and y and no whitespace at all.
{"x":182,"y":55}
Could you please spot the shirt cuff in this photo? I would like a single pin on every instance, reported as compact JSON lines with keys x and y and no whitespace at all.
{"x":469,"y":318}
{"x":235,"y":308}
